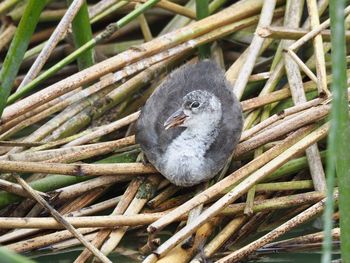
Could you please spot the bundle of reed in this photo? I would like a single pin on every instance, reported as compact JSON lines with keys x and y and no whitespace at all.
{"x":73,"y":79}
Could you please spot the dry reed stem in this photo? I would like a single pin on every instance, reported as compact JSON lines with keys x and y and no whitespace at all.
{"x":192,"y":215}
{"x":145,"y":192}
{"x":275,"y":96}
{"x":178,"y":21}
{"x":144,"y":219}
{"x":42,"y":35}
{"x":63,"y":116}
{"x":45,"y":240}
{"x":67,"y":154}
{"x":163,"y":196}
{"x":228,"y":181}
{"x":169,"y":40}
{"x":22,"y":118}
{"x":319,"y":52}
{"x":248,"y":209}
{"x":303,"y":240}
{"x":293,"y":16}
{"x":57,"y":143}
{"x":257,"y":102}
{"x":103,"y":234}
{"x":275,"y":203}
{"x":95,"y":208}
{"x":77,"y":169}
{"x":233,"y":71}
{"x":278,"y":116}
{"x":289,"y":124}
{"x":7,"y":35}
{"x":100,"y":6}
{"x":25,"y":144}
{"x":302,"y":65}
{"x":74,"y":190}
{"x":290,"y":224}
{"x":223,"y":236}
{"x":254,"y":49}
{"x":83,"y":200}
{"x":51,"y":127}
{"x":62,"y":221}
{"x":175,"y":8}
{"x":180,"y":255}
{"x":55,"y":37}
{"x":105,"y":130}
{"x":17,"y":189}
{"x":276,"y":75}
{"x":72,"y":242}
{"x":241,"y":189}
{"x":279,"y":32}
{"x":259,"y":76}
{"x":66,"y":120}
{"x":79,"y":202}
{"x":147,"y":62}
{"x":146,"y":32}
{"x":88,"y":210}
{"x":94,"y":150}
{"x":314,"y":32}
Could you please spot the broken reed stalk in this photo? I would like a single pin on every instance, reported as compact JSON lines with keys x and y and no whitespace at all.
{"x":279,"y":32}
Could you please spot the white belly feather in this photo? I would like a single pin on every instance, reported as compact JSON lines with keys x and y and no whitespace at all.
{"x":184,"y":162}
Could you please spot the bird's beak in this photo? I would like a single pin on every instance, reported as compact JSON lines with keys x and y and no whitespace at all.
{"x":176,"y":119}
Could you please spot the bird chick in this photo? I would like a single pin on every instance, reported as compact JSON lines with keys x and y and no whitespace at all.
{"x":191,"y":124}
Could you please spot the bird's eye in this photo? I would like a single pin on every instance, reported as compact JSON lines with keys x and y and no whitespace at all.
{"x":195,"y":104}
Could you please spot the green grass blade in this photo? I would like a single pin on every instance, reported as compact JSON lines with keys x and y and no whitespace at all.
{"x":338,"y":142}
{"x":202,"y":11}
{"x":215,"y":5}
{"x":18,"y":47}
{"x":82,"y":33}
{"x":11,"y":257}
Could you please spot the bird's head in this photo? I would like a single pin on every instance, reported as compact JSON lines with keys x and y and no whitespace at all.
{"x":199,"y":108}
